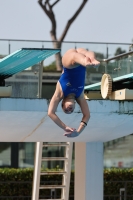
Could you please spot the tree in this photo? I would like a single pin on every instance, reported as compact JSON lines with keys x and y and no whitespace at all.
{"x":57,"y":42}
{"x":119,"y":51}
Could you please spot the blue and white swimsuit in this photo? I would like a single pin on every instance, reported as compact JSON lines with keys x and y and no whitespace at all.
{"x":73,"y":81}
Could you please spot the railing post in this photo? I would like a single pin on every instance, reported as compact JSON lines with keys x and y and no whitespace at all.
{"x":40,"y":80}
{"x":107,"y":52}
{"x":9,"y":47}
{"x":121,"y":191}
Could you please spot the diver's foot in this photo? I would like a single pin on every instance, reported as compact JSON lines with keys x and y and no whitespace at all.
{"x":87,"y":61}
{"x":91,"y":62}
{"x":95,"y":62}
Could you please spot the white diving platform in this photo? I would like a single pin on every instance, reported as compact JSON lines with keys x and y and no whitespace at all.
{"x":26,"y":120}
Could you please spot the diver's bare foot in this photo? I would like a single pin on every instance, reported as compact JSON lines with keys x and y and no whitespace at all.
{"x":87,"y":62}
{"x":95,"y":62}
{"x":90,"y":62}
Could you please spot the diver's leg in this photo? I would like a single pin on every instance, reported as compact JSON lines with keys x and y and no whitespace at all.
{"x":72,"y":58}
{"x":90,"y":55}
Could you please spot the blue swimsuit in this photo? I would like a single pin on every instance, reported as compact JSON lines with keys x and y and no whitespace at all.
{"x":73,"y":80}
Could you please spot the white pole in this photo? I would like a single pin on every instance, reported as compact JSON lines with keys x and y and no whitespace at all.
{"x":37,"y":169}
{"x":88,"y":171}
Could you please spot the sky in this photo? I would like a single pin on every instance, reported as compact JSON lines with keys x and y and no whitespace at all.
{"x":99,"y":21}
{"x":105,"y":21}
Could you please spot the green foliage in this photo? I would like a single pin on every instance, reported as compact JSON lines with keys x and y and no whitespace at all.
{"x":114,"y":179}
{"x":51,"y":67}
{"x":119,"y":51}
{"x":18,"y":182}
{"x":99,"y":56}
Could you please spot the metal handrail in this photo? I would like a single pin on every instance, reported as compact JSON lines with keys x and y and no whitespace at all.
{"x":118,"y":56}
{"x":76,"y":42}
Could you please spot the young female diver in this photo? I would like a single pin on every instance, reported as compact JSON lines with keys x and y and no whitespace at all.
{"x":70,"y":88}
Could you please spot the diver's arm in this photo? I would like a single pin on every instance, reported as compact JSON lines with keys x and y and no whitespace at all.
{"x":86,"y":113}
{"x":52,"y":109}
{"x":86,"y":116}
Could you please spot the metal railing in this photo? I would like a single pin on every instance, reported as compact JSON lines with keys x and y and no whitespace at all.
{"x":118,"y":56}
{"x":120,"y":65}
{"x":106,"y":48}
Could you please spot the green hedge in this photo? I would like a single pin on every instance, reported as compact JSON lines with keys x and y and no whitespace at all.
{"x":114,"y":179}
{"x":18,"y":182}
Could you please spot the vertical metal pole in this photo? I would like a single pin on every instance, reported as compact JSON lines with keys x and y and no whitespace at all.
{"x":107,"y":52}
{"x":40,"y":77}
{"x":122,"y":190}
{"x":37,"y":168}
{"x":106,"y":67}
{"x":40,"y":80}
{"x":129,"y":64}
{"x":75,"y":46}
{"x":14,"y":154}
{"x":9,"y":48}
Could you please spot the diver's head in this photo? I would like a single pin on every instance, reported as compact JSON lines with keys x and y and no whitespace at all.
{"x":68,"y":105}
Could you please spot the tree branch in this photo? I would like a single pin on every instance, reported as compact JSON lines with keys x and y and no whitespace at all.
{"x":44,"y":8}
{"x":55,"y":3}
{"x":71,"y":20}
{"x":47,"y":8}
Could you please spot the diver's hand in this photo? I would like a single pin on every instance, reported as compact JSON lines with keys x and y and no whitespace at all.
{"x":69,"y":129}
{"x":72,"y":134}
